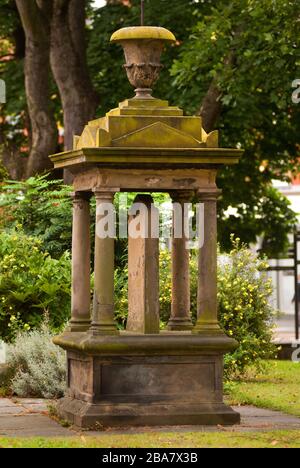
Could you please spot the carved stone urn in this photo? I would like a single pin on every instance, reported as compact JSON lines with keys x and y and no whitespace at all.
{"x":143,"y":46}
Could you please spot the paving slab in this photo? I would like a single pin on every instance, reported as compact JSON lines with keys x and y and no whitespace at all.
{"x":5,"y":410}
{"x":252,"y":420}
{"x":28,"y":418}
{"x":32,"y":426}
{"x":4,"y":402}
{"x":258,"y":418}
{"x":30,"y":401}
{"x":35,"y":406}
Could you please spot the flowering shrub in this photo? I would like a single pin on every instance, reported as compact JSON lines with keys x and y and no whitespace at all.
{"x":37,"y":366}
{"x":244,"y":310}
{"x":32,"y":284}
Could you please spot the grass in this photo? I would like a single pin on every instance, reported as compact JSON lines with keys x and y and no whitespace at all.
{"x":276,"y":388}
{"x":228,"y":439}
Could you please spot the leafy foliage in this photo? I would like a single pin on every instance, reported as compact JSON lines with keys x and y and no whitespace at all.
{"x":32,"y":284}
{"x":43,"y":208}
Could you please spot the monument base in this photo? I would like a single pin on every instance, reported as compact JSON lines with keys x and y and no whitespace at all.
{"x":145,"y":380}
{"x":96,"y":416}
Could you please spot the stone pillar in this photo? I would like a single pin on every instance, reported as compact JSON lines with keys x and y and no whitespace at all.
{"x":81,"y":251}
{"x":143,"y":268}
{"x":103,"y":304}
{"x":207,"y":321}
{"x":180,"y":310}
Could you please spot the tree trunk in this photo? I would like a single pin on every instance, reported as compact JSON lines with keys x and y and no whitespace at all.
{"x":10,"y":156}
{"x":211,"y":107}
{"x":13,"y":161}
{"x":35,"y":19}
{"x":69,"y":66}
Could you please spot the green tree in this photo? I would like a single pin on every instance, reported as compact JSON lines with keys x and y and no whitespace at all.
{"x":236,"y":70}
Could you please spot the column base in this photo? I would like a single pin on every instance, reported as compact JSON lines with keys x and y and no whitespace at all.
{"x":180,"y":324}
{"x":99,"y":330}
{"x":79,"y":326}
{"x":86,"y":415}
{"x":208,"y":328}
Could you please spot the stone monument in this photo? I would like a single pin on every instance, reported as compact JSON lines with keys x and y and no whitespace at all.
{"x":144,"y":376}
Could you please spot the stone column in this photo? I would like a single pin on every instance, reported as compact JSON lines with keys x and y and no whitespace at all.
{"x":143,"y":267}
{"x":103,"y":305}
{"x":180,"y":310}
{"x":207,"y":321}
{"x":81,"y":251}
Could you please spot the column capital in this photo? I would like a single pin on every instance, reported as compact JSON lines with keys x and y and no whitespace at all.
{"x":208,"y":195}
{"x":182,"y":195}
{"x":105,"y":195}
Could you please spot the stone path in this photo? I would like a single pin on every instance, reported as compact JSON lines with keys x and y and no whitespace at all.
{"x":29,"y":418}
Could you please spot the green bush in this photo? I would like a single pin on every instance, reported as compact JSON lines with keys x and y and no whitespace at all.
{"x":37,"y":367}
{"x":43,"y":208}
{"x":244,"y":310}
{"x":32,"y":284}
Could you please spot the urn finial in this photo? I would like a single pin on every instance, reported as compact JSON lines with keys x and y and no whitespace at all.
{"x":143,"y":46}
